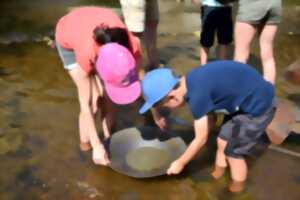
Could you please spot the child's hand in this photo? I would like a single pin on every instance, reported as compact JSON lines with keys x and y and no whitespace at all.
{"x":161,"y":122}
{"x":175,"y":168}
{"x":196,"y":2}
{"x":100,"y":156}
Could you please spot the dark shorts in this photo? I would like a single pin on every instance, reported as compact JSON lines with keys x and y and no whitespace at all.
{"x":216,"y":19}
{"x":242,"y":132}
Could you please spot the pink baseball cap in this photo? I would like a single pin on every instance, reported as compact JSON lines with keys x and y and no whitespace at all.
{"x":116,"y":67}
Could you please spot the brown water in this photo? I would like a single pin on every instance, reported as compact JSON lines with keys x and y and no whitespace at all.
{"x":39,"y":154}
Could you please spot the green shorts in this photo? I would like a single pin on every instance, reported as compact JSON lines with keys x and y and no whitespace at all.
{"x":260,"y":11}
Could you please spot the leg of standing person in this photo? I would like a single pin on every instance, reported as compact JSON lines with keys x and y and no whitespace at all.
{"x":266,"y":41}
{"x":141,"y":18}
{"x":207,"y":32}
{"x":222,"y":52}
{"x":243,"y":36}
{"x":204,"y":52}
{"x":150,"y":33}
{"x":224,"y":31}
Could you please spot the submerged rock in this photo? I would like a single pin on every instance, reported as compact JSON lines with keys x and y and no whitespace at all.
{"x":5,"y":71}
{"x":292,"y":73}
{"x":283,"y":121}
{"x":22,"y":37}
{"x":89,"y":190}
{"x":10,"y":141}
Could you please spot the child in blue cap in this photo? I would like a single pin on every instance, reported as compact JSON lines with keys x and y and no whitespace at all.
{"x":228,"y":86}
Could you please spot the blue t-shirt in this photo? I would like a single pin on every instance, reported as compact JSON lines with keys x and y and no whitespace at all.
{"x":227,"y":86}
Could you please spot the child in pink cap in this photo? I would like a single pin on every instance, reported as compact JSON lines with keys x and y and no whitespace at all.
{"x":91,"y":40}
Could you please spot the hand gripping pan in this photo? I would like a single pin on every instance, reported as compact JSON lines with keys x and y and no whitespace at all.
{"x":144,"y":152}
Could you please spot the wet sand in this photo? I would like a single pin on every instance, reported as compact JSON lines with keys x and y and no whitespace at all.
{"x":39,"y":153}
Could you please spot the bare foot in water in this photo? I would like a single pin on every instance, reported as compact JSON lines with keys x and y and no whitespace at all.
{"x":236,"y":186}
{"x":218,"y":172}
{"x":85,"y":146}
{"x":100,"y":156}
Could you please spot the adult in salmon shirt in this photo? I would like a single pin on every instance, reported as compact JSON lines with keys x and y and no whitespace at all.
{"x":101,"y":56}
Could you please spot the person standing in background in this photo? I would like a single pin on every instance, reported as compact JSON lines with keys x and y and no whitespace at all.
{"x":141,"y":18}
{"x":262,"y":17}
{"x":215,"y":18}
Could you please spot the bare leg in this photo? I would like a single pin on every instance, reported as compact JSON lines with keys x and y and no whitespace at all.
{"x":220,"y":156}
{"x":220,"y":162}
{"x":83,"y":129}
{"x":243,"y":34}
{"x":86,"y":118}
{"x":238,"y":170}
{"x":95,"y":95}
{"x":204,"y":51}
{"x":150,"y":37}
{"x":222,"y":52}
{"x":266,"y":40}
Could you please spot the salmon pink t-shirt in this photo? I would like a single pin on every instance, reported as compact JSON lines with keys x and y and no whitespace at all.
{"x":75,"y":31}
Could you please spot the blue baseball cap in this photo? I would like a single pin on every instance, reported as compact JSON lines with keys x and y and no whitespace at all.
{"x":156,"y":85}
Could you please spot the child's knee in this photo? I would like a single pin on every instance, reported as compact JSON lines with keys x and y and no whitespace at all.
{"x":221,"y":144}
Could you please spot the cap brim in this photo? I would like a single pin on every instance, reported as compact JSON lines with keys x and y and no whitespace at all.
{"x":145,"y":107}
{"x":124,"y":95}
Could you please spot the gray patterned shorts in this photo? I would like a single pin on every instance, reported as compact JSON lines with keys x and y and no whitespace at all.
{"x":242,"y":131}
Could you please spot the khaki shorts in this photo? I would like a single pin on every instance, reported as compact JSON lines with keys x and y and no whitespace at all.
{"x":136,"y":12}
{"x":260,"y":11}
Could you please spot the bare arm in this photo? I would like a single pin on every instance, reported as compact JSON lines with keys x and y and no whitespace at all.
{"x":201,"y":134}
{"x":159,"y":120}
